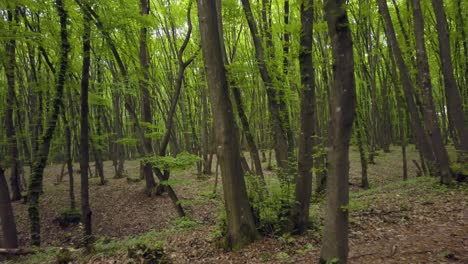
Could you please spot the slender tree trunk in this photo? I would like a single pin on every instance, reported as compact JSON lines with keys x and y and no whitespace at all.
{"x":69,"y":161}
{"x":335,"y":238}
{"x":146,"y":115}
{"x":430,"y":115}
{"x":279,"y":132}
{"x":362,"y":155}
{"x":240,"y":221}
{"x":422,"y":141}
{"x":216,"y":176}
{"x":35,"y":186}
{"x":299,"y":216}
{"x":9,"y":123}
{"x":248,"y":134}
{"x":84,"y":136}
{"x":10,"y":236}
{"x":172,"y":111}
{"x":204,"y":133}
{"x":457,"y":118}
{"x":402,"y":136}
{"x":119,"y":148}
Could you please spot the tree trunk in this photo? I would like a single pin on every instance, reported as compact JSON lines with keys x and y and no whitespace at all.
{"x":279,"y":132}
{"x":240,"y":221}
{"x":9,"y":123}
{"x":248,"y":134}
{"x":335,"y":238}
{"x":172,"y":111}
{"x":401,"y":122}
{"x":84,"y":136}
{"x":40,"y":160}
{"x":69,"y":161}
{"x":430,"y":115}
{"x":10,"y":236}
{"x":362,"y":155}
{"x":146,"y":115}
{"x":299,"y":216}
{"x":454,"y":104}
{"x":422,"y":141}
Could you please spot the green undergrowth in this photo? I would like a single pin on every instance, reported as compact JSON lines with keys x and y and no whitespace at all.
{"x":402,"y":193}
{"x":398,"y":195}
{"x":149,"y":244}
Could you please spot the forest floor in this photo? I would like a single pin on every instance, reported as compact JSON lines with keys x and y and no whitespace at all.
{"x":395,"y":221}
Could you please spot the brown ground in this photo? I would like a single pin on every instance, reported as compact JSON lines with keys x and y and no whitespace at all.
{"x":398,"y":223}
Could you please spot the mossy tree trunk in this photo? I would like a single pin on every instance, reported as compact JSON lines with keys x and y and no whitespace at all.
{"x":13,"y":157}
{"x":40,"y":159}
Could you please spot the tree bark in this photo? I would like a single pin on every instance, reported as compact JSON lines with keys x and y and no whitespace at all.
{"x":335,"y":238}
{"x":422,"y":141}
{"x":362,"y":155}
{"x":454,"y":104}
{"x":9,"y":123}
{"x":248,"y":134}
{"x":10,"y":236}
{"x":430,"y":115}
{"x":86,"y":213}
{"x":299,"y":216}
{"x":278,"y":129}
{"x":240,"y":221}
{"x":40,"y":160}
{"x":69,"y":161}
{"x":146,"y":115}
{"x":236,"y":92}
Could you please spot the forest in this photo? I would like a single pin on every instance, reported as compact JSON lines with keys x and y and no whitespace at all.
{"x":234,"y":131}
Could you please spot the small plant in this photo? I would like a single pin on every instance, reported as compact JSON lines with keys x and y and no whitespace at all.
{"x":270,"y":206}
{"x":64,"y":256}
{"x":460,"y":171}
{"x":184,"y":223}
{"x":286,"y":238}
{"x":307,"y":248}
{"x":282,"y":256}
{"x":265,"y":256}
{"x":148,"y":254}
{"x":181,"y":162}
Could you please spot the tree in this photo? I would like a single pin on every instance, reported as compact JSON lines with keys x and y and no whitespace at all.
{"x":9,"y":123}
{"x":300,"y":211}
{"x":454,"y":103}
{"x":10,"y":236}
{"x":240,"y":221}
{"x":278,"y":126}
{"x":335,"y":235}
{"x":84,"y":136}
{"x":424,"y":81}
{"x":146,"y":115}
{"x":69,"y":160}
{"x":422,"y":141}
{"x":40,"y":160}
